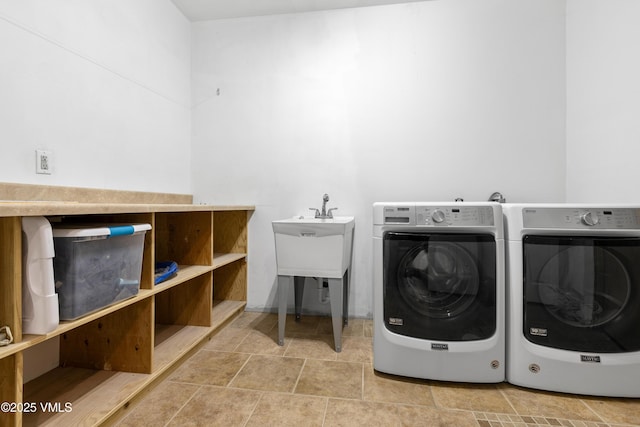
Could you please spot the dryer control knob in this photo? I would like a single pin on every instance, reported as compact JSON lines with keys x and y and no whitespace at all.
{"x":438,"y":216}
{"x":590,"y":218}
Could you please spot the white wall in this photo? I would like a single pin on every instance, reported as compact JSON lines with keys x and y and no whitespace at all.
{"x":603,"y":108}
{"x":104,"y":85}
{"x":421,"y":101}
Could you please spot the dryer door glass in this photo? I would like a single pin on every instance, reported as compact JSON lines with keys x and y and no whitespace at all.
{"x":582,"y":293}
{"x":440,"y":286}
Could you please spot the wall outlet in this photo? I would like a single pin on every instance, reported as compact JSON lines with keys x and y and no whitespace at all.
{"x":44,"y":162}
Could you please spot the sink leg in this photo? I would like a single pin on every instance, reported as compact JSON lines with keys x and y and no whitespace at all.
{"x":345,"y":298}
{"x":336,"y":300}
{"x":283,"y":293}
{"x":298,"y":291}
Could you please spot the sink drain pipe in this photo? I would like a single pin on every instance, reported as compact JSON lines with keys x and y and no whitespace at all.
{"x":323,"y":290}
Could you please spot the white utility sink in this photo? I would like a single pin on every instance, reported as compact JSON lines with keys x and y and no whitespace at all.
{"x":314,"y":247}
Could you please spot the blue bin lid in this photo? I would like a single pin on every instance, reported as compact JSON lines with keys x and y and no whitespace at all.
{"x":77,"y":230}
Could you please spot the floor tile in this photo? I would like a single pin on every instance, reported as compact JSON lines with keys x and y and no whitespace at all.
{"x":261,"y":343}
{"x":392,"y":389}
{"x":312,"y":347}
{"x":160,"y":405}
{"x":356,"y":349}
{"x":263,"y":322}
{"x":350,"y":413}
{"x":421,"y":416}
{"x":368,"y":328}
{"x":355,"y":327}
{"x":269,"y":373}
{"x":306,"y":325}
{"x":210,"y":367}
{"x":331,"y":379}
{"x":243,"y":377}
{"x":553,"y":405}
{"x":325,"y":326}
{"x":616,"y":411}
{"x":284,"y":410}
{"x":227,"y":339}
{"x":215,"y":406}
{"x":470,"y":397}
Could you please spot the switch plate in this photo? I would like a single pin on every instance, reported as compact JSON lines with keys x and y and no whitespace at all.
{"x":44,"y":162}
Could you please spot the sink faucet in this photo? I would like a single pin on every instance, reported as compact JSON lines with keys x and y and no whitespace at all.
{"x":324,"y":214}
{"x":325,"y":199}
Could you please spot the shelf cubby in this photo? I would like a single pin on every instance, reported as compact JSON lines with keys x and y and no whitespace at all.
{"x":119,"y":341}
{"x":186,"y":304}
{"x":227,"y":281}
{"x":113,"y":355}
{"x":185,"y":238}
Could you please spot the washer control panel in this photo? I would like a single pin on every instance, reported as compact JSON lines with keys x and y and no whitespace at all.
{"x":400,"y":214}
{"x":439,"y":215}
{"x":454,"y":215}
{"x":582,"y":218}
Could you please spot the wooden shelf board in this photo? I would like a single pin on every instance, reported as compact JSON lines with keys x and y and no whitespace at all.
{"x":220,"y":260}
{"x":97,"y":395}
{"x":174,"y":341}
{"x":93,"y":395}
{"x":14,"y":348}
{"x":49,"y":208}
{"x":29,"y":340}
{"x":185,"y":273}
{"x":223,"y":311}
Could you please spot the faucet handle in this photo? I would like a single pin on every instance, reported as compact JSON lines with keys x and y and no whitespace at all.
{"x":316,"y":211}
{"x":329,"y":213}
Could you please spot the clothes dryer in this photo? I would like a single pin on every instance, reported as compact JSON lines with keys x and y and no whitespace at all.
{"x":439,"y":291}
{"x":574,"y":298}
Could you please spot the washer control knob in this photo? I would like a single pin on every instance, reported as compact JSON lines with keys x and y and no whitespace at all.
{"x":438,"y":216}
{"x":590,"y":218}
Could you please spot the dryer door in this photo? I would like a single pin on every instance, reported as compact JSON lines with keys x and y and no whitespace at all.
{"x":582,"y":293}
{"x":440,"y":286}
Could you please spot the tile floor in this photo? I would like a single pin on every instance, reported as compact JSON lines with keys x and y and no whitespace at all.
{"x":243,"y":378}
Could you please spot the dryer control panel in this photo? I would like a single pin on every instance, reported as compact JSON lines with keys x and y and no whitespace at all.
{"x":576,"y":218}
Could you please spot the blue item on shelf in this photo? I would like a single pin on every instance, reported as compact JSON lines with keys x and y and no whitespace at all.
{"x":165,"y":270}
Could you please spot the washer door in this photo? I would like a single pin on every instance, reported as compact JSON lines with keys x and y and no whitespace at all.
{"x":581,"y":293}
{"x":438,"y":279}
{"x":440,"y":286}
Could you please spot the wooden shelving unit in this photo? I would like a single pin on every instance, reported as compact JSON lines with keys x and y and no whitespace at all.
{"x":109,"y":357}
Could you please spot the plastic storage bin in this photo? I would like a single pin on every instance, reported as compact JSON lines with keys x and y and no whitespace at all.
{"x":96,"y":266}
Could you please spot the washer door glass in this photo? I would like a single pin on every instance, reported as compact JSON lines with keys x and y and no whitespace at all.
{"x":438,"y":279}
{"x":440,"y":286}
{"x":581,"y":293}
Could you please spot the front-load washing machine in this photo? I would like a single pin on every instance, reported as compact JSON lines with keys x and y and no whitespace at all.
{"x":574,"y":298}
{"x":439,"y":291}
